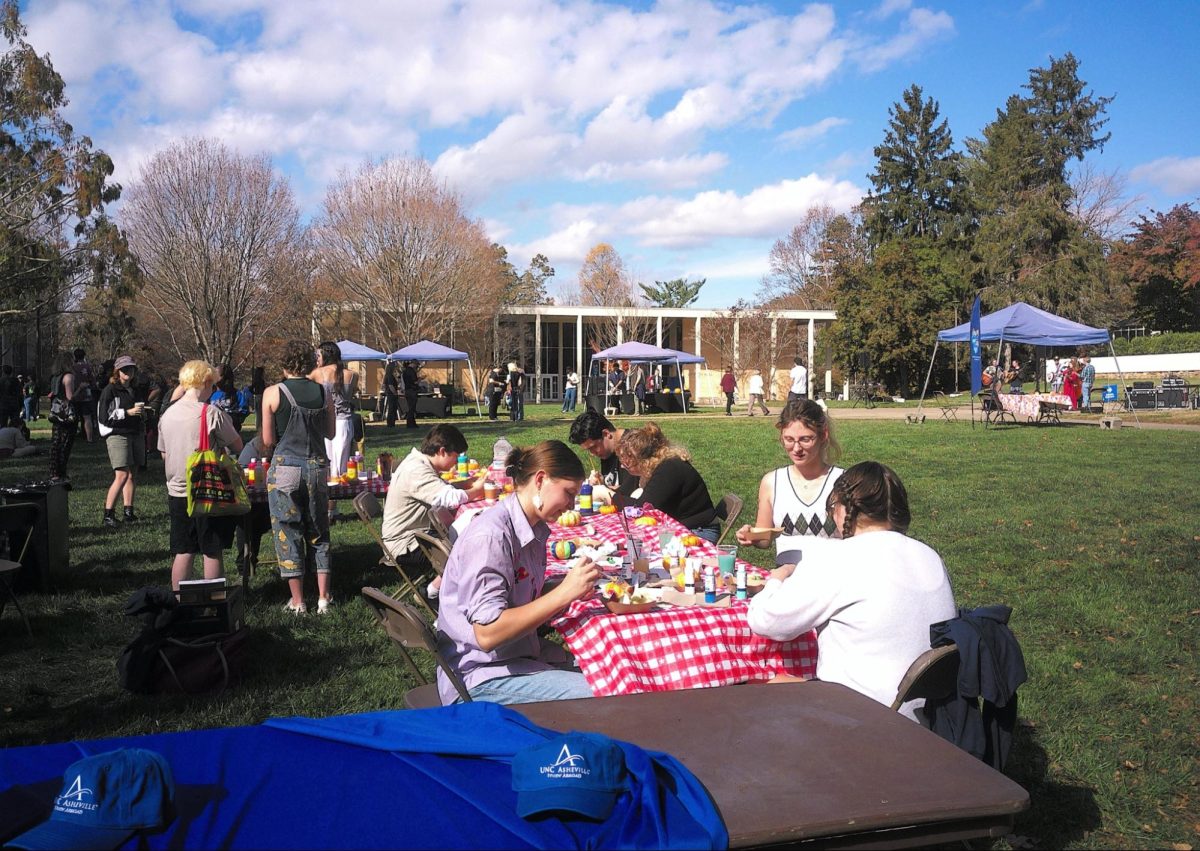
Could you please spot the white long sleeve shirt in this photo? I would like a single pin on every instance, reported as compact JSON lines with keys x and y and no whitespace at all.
{"x":871,"y":599}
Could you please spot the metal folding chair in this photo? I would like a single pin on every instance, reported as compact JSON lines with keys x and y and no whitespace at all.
{"x":16,"y":519}
{"x":949,"y":410}
{"x":369,"y":510}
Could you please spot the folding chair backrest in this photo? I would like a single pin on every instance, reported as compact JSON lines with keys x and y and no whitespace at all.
{"x":408,"y":630}
{"x":439,"y":528}
{"x":934,"y":674}
{"x":18,"y":519}
{"x":436,"y":550}
{"x":730,"y":507}
{"x":367,"y":507}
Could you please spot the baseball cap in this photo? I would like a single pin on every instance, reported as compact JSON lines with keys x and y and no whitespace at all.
{"x":123,"y":361}
{"x":105,"y":798}
{"x":580,"y":773}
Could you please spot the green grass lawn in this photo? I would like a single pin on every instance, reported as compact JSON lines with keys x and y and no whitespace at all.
{"x":1091,"y":536}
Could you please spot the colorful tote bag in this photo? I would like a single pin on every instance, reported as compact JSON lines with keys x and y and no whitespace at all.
{"x":214,"y":480}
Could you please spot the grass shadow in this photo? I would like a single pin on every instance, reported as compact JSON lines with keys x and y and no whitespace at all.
{"x":1060,"y":814}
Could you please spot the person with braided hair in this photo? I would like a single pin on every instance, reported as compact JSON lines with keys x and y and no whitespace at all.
{"x":871,"y":596}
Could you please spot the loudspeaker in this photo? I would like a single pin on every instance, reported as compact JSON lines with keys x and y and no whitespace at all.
{"x":1172,"y":397}
{"x":1143,"y":400}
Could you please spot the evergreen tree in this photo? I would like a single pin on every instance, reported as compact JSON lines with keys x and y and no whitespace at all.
{"x":916,"y":185}
{"x":679,"y":292}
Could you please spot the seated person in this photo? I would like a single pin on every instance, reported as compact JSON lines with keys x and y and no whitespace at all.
{"x":492,"y":599}
{"x":599,"y":437}
{"x":871,"y":597}
{"x":1013,"y":377}
{"x":668,"y":480}
{"x":417,"y":488}
{"x":14,"y":442}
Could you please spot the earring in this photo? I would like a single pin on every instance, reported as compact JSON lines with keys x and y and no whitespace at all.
{"x":537,"y":501}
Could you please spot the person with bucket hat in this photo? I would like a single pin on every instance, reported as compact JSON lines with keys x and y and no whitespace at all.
{"x":124,"y":429}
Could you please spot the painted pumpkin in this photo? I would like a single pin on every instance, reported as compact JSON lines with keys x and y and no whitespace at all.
{"x":690,"y":540}
{"x":608,"y":509}
{"x":645,"y":521}
{"x":564,"y":549}
{"x":569,"y":518}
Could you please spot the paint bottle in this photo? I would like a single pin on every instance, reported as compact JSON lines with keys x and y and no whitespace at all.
{"x":352,"y":468}
{"x":250,"y":471}
{"x":585,"y":498}
{"x":741,"y":582}
{"x":462,"y":465}
{"x":710,"y":585}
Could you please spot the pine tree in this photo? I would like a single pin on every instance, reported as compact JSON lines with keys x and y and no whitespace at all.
{"x":679,"y":292}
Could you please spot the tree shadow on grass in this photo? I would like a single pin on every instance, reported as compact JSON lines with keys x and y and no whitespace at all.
{"x":1059,"y":813}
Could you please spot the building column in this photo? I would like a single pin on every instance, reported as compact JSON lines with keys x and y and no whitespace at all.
{"x":812,"y":325}
{"x":620,"y":331}
{"x":579,"y":351}
{"x":658,"y":331}
{"x":696,"y":369}
{"x":537,"y":357}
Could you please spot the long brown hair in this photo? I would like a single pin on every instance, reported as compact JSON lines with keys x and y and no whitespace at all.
{"x":813,"y":416}
{"x":649,"y":447}
{"x":874,"y":491}
{"x":552,"y":456}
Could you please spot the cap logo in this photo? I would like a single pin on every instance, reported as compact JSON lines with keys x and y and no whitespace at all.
{"x":72,"y":799}
{"x":568,"y":765}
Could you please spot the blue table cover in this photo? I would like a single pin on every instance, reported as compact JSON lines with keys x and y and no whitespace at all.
{"x":430,"y":778}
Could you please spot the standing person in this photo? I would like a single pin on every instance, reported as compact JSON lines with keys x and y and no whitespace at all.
{"x":298,"y":417}
{"x":10,"y":397}
{"x":756,"y":394}
{"x":571,"y":393}
{"x":728,"y":386}
{"x":497,"y":386}
{"x":121,"y":415}
{"x":178,"y":438}
{"x":411,"y":391}
{"x":391,"y":393}
{"x":1087,"y":378}
{"x":616,"y":380}
{"x":668,"y":480}
{"x":871,"y":598}
{"x":1054,"y":377}
{"x":637,"y":378}
{"x":340,"y":386}
{"x":258,"y":386}
{"x":516,"y":392}
{"x":30,"y":398}
{"x":62,"y":435}
{"x":492,"y":600}
{"x":793,"y":498}
{"x":86,"y":394}
{"x":799,"y":376}
{"x":593,"y":432}
{"x":1072,"y":386}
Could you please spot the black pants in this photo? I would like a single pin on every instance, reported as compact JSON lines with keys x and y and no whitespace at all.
{"x":729,"y":403}
{"x":391,"y":407}
{"x":61,"y":441}
{"x":494,"y":403}
{"x":410,"y":417}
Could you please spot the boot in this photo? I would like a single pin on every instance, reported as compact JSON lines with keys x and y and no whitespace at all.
{"x":129,"y":518}
{"x":110,"y":518}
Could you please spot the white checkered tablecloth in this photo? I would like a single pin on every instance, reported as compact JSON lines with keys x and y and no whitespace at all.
{"x":376,"y":485}
{"x":1025,"y":405}
{"x":677,"y":648}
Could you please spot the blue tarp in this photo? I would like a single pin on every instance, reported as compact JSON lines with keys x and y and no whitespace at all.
{"x":357,"y":351}
{"x":1024,"y":323}
{"x":428,"y":350}
{"x":431,"y":778}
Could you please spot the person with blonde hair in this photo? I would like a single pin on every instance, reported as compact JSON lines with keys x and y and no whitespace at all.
{"x":178,"y":438}
{"x":668,"y":480}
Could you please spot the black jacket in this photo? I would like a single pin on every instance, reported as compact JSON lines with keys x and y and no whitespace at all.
{"x":116,"y":397}
{"x":990,"y":669}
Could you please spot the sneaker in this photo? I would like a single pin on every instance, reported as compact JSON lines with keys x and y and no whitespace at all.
{"x":432,"y":589}
{"x":324,"y":604}
{"x":289,"y":606}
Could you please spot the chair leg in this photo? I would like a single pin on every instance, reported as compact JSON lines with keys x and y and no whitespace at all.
{"x":408,"y":587}
{"x":12,"y":595}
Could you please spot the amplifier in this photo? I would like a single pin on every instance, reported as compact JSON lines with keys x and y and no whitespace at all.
{"x":1143,"y":385}
{"x":212,"y":616}
{"x":1171,"y":381}
{"x":1172,"y":397}
{"x":1143,"y":399}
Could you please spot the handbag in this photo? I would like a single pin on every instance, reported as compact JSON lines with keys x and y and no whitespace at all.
{"x":62,"y":410}
{"x":214,"y":480}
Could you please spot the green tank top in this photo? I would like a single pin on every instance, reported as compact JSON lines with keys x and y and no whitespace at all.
{"x":308,"y":394}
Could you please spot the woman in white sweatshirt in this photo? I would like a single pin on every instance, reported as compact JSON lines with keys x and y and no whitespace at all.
{"x":871,"y":596}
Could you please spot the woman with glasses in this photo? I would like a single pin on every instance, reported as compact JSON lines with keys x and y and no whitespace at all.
{"x":793,"y":498}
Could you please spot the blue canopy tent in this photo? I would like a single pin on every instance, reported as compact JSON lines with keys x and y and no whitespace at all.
{"x":636,"y":352}
{"x":427,"y":350}
{"x":1024,"y":323}
{"x":357,"y":351}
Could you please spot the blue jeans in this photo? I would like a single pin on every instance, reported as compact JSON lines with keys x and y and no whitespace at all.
{"x":298,"y":496}
{"x":708,"y":533}
{"x":569,"y":400}
{"x":531,"y":688}
{"x":1085,"y":398}
{"x":29,"y":400}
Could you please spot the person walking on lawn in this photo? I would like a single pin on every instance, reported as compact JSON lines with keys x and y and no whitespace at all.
{"x":728,"y":386}
{"x":756,"y":394}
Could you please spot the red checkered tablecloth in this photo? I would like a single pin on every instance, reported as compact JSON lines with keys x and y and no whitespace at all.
{"x":676,"y":648}
{"x":376,"y":485}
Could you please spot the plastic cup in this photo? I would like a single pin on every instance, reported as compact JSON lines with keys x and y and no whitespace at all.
{"x":489,"y":491}
{"x":726,"y":558}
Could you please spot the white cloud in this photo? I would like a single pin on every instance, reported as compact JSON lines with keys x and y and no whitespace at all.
{"x":670,"y":173}
{"x":569,"y":245}
{"x":921,"y":27}
{"x":1174,"y":175}
{"x":808,"y":132}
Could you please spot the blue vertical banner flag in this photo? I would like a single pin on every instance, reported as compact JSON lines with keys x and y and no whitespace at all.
{"x":976,"y":351}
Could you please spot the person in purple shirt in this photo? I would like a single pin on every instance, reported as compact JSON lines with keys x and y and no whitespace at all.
{"x":492,"y":600}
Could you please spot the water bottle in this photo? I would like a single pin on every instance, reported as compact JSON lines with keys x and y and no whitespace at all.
{"x":462,"y":465}
{"x":500,"y":452}
{"x":585,"y":499}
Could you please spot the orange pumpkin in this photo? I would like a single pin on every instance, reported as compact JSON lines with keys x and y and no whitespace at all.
{"x":608,"y":509}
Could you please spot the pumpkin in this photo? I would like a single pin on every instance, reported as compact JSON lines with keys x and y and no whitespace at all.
{"x":608,"y":509}
{"x":690,"y":540}
{"x":564,"y":549}
{"x":645,"y":521}
{"x":570,"y":518}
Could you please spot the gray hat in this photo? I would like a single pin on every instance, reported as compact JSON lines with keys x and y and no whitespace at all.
{"x":124,"y":361}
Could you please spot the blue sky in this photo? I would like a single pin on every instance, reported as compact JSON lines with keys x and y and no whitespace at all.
{"x":688,"y":134}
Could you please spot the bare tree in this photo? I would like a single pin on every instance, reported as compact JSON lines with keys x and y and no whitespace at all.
{"x":1099,"y":201}
{"x":221,"y":247}
{"x":397,"y":241}
{"x":798,"y":274}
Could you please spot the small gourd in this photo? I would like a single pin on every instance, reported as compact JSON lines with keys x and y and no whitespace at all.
{"x":570,"y":518}
{"x":608,"y":509}
{"x":690,"y":540}
{"x":646,"y":521}
{"x":564,"y":549}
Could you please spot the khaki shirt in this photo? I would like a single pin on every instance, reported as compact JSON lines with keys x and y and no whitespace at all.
{"x":414,"y":491}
